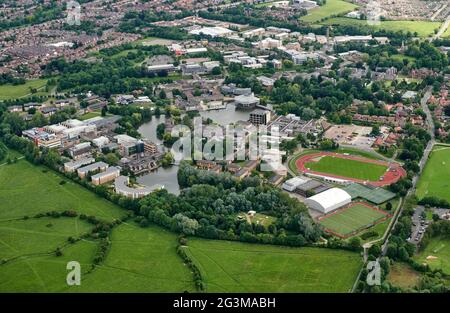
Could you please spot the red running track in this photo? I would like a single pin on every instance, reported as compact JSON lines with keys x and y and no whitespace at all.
{"x":392,"y":175}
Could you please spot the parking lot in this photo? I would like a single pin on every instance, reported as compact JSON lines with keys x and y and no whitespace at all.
{"x":419,"y":225}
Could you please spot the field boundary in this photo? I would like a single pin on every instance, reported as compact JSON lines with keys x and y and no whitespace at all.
{"x":358,"y":230}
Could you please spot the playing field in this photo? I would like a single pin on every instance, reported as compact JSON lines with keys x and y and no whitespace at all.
{"x":438,"y":253}
{"x":332,"y":7}
{"x":435,"y":178}
{"x":423,"y":28}
{"x":351,"y":219}
{"x":9,"y":91}
{"x":240,"y":267}
{"x":347,"y":168}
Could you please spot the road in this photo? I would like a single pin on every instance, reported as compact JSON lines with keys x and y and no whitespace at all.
{"x":443,"y":28}
{"x":423,"y":161}
{"x":438,"y":12}
{"x":371,"y":151}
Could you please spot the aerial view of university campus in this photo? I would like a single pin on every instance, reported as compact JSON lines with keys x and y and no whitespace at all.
{"x":225,"y":146}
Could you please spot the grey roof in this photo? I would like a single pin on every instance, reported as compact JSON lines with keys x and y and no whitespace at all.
{"x":108,"y":171}
{"x":310,"y":184}
{"x":92,"y":167}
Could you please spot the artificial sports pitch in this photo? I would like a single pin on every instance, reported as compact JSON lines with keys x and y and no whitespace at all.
{"x":351,"y":168}
{"x":352,"y":219}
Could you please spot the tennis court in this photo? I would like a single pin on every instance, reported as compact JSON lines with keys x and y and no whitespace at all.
{"x":352,"y":219}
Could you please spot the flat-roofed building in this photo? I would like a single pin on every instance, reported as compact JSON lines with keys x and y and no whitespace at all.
{"x":246,"y":101}
{"x":161,"y":68}
{"x":100,"y":141}
{"x":121,"y":186}
{"x":310,"y":188}
{"x":97,"y":166}
{"x":55,"y":129}
{"x":71,"y":166}
{"x":150,"y":147}
{"x":260,"y":117}
{"x":72,"y":123}
{"x":80,"y":149}
{"x":293,"y":183}
{"x":41,"y":138}
{"x":216,"y":31}
{"x":110,"y":174}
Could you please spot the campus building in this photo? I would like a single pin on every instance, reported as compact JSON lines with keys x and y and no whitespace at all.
{"x":97,"y":166}
{"x":121,"y":185}
{"x":71,"y":166}
{"x":329,"y":200}
{"x":260,"y":117}
{"x":293,"y":183}
{"x":246,"y":101}
{"x":110,"y":174}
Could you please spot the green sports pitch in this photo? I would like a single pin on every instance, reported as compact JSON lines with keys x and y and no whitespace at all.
{"x":347,"y":168}
{"x":435,"y":178}
{"x":350,"y":220}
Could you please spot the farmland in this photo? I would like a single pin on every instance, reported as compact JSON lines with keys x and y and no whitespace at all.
{"x":434,"y":180}
{"x":332,"y":7}
{"x":239,"y":267}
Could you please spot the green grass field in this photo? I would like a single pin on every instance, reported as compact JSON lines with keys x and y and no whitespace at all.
{"x":139,"y":259}
{"x":402,"y":275}
{"x":347,"y":168}
{"x":27,"y":237}
{"x":9,"y":91}
{"x":439,"y":247}
{"x":435,"y":178}
{"x":332,"y":7}
{"x":423,"y":28}
{"x":27,"y":190}
{"x":239,"y":267}
{"x":9,"y":154}
{"x":89,"y":115}
{"x":446,"y":34}
{"x":351,"y":219}
{"x":366,"y":154}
